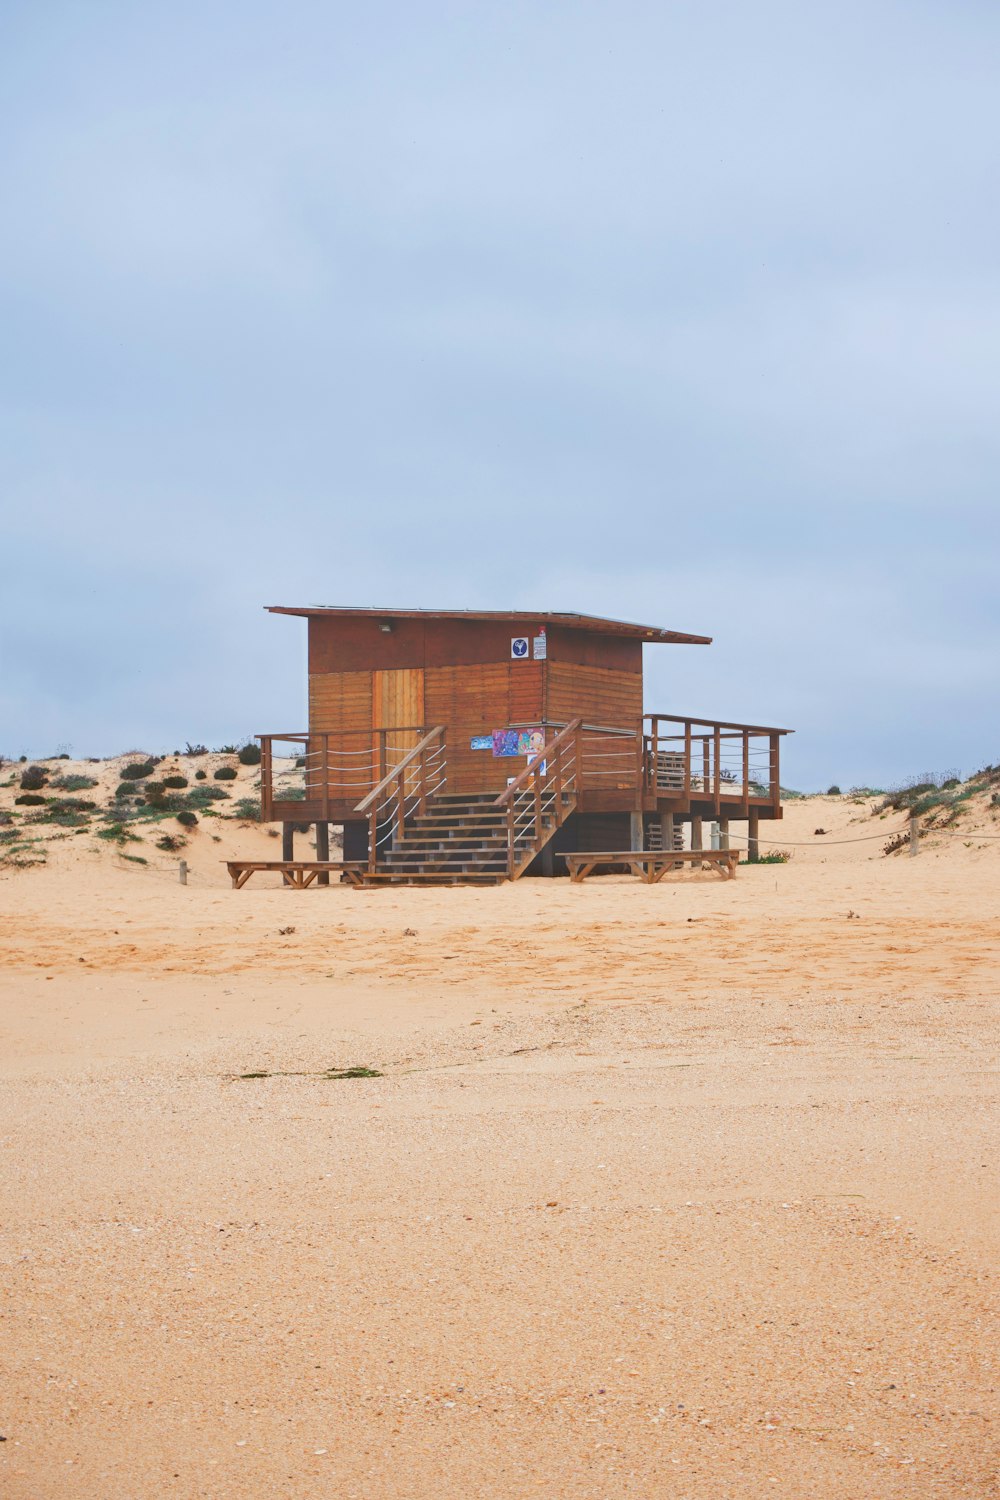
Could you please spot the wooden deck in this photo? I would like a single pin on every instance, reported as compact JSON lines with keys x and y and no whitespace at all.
{"x":664,"y":763}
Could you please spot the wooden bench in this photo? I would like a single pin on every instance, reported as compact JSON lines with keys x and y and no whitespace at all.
{"x":297,"y":872}
{"x":652,"y":865}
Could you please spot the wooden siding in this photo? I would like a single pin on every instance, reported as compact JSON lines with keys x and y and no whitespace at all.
{"x":602,"y":695}
{"x":341,"y":701}
{"x":588,"y":649}
{"x":398,"y":698}
{"x":475,"y":701}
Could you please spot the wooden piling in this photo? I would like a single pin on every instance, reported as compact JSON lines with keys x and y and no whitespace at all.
{"x":753,"y":832}
{"x":323,"y":851}
{"x":288,"y":840}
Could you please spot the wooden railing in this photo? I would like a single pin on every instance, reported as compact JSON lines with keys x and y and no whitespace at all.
{"x":403,"y":792}
{"x":324,"y":768}
{"x":541,"y":798}
{"x":712,"y":761}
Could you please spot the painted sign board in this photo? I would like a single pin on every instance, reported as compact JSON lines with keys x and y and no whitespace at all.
{"x":519,"y":647}
{"x":481,"y":742}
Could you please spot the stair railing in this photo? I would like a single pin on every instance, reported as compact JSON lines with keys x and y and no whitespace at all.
{"x":545,"y":790}
{"x":403,"y":791}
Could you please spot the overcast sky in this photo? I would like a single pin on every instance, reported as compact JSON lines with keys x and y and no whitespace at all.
{"x":687,"y":313}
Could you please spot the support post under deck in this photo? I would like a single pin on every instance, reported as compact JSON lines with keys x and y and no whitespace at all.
{"x":323,"y":851}
{"x":636,"y":838}
{"x":288,"y":840}
{"x":753,"y":833}
{"x":697,"y":836}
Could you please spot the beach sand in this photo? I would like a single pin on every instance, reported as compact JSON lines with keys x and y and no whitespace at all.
{"x":686,"y":1190}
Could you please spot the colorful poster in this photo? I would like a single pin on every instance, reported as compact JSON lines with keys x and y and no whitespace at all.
{"x":481,"y":742}
{"x":508,"y":742}
{"x":505,"y":742}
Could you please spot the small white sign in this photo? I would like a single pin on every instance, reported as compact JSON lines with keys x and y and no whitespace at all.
{"x":539,"y":646}
{"x":519,"y":647}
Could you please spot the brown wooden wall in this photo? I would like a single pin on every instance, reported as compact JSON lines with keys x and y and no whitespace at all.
{"x":475,"y":701}
{"x":602,"y":695}
{"x":470,"y":683}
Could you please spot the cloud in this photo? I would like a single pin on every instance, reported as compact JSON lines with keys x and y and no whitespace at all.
{"x":678,"y":311}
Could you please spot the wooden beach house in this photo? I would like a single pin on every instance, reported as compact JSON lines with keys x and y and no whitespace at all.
{"x":481,"y":745}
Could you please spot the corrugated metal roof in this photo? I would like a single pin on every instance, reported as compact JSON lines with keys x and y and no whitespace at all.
{"x":594,"y":623}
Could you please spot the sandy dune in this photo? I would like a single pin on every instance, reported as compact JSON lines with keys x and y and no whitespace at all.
{"x":686,"y":1190}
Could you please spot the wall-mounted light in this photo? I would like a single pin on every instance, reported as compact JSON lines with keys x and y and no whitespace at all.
{"x":386,"y":626}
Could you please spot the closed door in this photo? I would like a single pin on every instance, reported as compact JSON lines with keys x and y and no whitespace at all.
{"x":398,"y":708}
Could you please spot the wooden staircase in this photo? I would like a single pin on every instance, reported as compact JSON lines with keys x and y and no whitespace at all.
{"x":421,"y":835}
{"x":461,"y":839}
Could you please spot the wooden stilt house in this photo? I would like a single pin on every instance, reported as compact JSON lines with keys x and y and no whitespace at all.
{"x":479,"y":745}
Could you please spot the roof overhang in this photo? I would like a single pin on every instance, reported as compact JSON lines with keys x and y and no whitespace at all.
{"x":594,"y":623}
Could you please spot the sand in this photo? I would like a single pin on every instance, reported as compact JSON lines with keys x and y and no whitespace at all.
{"x":685,"y":1191}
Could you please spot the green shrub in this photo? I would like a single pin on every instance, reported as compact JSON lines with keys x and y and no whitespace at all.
{"x":227,"y":750}
{"x":834,"y":791}
{"x":201,"y":796}
{"x":201,"y":775}
{"x":137,"y":770}
{"x":187,"y":819}
{"x":175,"y":783}
{"x":250,"y":754}
{"x":117,"y":833}
{"x":31,"y":799}
{"x":125,"y":789}
{"x":74,"y":783}
{"x":34,"y":778}
{"x":190,"y":749}
{"x":248,"y":809}
{"x":226,"y":773}
{"x":170,"y":843}
{"x":300,"y":761}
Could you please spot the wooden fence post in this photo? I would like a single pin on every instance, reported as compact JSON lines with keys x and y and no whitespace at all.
{"x":914,"y":836}
{"x":182,"y":871}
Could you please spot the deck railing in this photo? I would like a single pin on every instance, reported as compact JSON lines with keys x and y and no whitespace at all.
{"x":712,"y":760}
{"x":325,"y":768}
{"x":666,"y":757}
